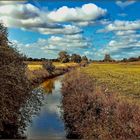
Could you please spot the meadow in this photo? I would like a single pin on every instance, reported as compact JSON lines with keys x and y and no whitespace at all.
{"x":122,"y":78}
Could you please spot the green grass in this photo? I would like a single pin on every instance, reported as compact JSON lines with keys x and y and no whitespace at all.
{"x":122,"y":78}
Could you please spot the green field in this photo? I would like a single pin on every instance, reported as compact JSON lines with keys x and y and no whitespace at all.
{"x":121,"y":78}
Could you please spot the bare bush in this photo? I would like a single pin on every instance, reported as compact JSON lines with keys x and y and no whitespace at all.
{"x":92,"y":113}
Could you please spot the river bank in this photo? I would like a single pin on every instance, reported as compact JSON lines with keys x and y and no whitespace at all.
{"x":38,"y":75}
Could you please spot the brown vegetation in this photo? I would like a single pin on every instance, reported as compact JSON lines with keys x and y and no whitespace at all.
{"x":91,"y":112}
{"x":14,"y":90}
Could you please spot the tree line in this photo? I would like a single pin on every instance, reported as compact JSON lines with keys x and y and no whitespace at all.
{"x":63,"y":57}
{"x":108,"y":58}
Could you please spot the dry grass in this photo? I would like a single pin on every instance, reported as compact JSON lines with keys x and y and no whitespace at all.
{"x":34,"y":67}
{"x":123,"y":78}
{"x":64,"y":65}
{"x":38,"y":65}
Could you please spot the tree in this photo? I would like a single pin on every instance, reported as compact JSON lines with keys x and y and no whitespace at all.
{"x":84,"y":58}
{"x":84,"y":61}
{"x":107,"y":58}
{"x":14,"y":88}
{"x":63,"y":57}
{"x":132,"y":59}
{"x":76,"y":58}
{"x":124,"y":60}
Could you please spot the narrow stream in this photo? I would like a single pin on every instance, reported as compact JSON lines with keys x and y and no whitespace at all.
{"x":48,"y":123}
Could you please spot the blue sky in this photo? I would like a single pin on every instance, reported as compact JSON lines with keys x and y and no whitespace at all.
{"x":92,"y":28}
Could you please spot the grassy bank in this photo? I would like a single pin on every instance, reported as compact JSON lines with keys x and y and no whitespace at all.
{"x":92,"y":111}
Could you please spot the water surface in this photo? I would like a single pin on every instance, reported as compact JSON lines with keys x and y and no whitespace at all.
{"x":48,"y":123}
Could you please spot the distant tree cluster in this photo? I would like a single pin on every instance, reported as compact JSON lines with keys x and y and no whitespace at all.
{"x":108,"y":58}
{"x":40,"y":59}
{"x":64,"y":57}
{"x":131,"y":59}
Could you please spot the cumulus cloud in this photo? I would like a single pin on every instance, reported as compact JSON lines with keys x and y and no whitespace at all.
{"x":124,"y":46}
{"x":69,"y":41}
{"x":123,"y":33}
{"x":125,"y":3}
{"x":92,"y":23}
{"x":65,"y":29}
{"x":50,"y":47}
{"x":119,"y":25}
{"x":29,"y":17}
{"x":87,"y":12}
{"x":20,"y":11}
{"x":11,"y":2}
{"x":125,"y":41}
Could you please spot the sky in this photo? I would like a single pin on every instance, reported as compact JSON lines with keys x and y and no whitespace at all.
{"x":41,"y":29}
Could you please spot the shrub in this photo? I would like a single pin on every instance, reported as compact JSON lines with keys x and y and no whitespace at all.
{"x":90,"y":112}
{"x":14,"y":89}
{"x":49,"y":66}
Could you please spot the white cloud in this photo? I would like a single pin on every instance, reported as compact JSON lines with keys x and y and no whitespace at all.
{"x":50,"y":47}
{"x":69,"y":41}
{"x":20,"y":11}
{"x":87,"y":12}
{"x":121,"y":47}
{"x":125,"y":3}
{"x":26,"y":16}
{"x":122,"y":14}
{"x":10,"y":2}
{"x":128,"y":32}
{"x":92,"y":23}
{"x":126,"y":39}
{"x":119,"y":25}
{"x":29,"y":17}
{"x":66,"y":29}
